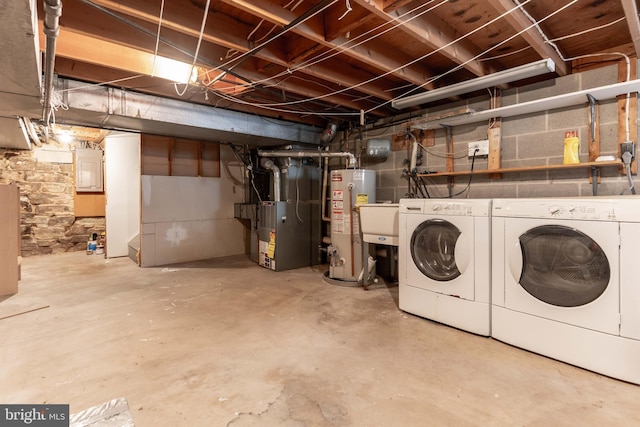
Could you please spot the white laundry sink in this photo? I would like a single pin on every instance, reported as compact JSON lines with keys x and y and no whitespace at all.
{"x":379,"y":223}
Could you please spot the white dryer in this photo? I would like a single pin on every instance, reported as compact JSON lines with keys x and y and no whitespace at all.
{"x":444,"y":261}
{"x":565,"y":280}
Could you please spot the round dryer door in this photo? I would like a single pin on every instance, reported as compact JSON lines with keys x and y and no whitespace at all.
{"x":433,"y":245}
{"x":563,"y":266}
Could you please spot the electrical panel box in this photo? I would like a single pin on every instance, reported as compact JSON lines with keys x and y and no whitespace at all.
{"x":89,"y":171}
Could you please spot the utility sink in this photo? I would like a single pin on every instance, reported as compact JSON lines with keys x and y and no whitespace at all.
{"x":379,"y":223}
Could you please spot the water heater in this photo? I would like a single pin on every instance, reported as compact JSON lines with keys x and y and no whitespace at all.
{"x":349,"y":187}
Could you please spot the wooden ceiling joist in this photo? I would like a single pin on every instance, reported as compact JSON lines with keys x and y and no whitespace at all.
{"x":384,"y":58}
{"x":631,"y":13}
{"x":520,"y":22}
{"x":230,"y":34}
{"x":434,"y":33}
{"x":331,"y":55}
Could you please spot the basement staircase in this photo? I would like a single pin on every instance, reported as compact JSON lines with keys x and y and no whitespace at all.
{"x":134,"y":249}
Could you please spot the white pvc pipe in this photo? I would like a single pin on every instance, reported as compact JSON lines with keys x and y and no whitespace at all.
{"x":414,"y":154}
{"x":287,"y":153}
{"x":31,"y":131}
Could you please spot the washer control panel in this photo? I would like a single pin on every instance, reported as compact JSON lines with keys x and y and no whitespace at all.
{"x":447,"y":207}
{"x":450,"y":208}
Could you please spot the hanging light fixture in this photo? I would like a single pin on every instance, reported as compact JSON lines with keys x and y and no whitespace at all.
{"x":537,"y":68}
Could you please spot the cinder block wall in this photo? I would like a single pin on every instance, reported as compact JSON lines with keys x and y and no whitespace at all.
{"x":530,"y":140}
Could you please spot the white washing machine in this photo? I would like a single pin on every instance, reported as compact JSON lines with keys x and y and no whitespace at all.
{"x":565,"y":284}
{"x":444,"y":261}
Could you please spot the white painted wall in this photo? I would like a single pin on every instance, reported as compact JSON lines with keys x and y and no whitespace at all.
{"x":122,"y":174}
{"x":191,"y":218}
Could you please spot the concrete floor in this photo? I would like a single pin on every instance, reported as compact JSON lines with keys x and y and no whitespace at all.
{"x":227,"y":343}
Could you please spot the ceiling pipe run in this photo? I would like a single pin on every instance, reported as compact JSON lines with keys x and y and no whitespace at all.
{"x":53,"y":11}
{"x":298,"y":154}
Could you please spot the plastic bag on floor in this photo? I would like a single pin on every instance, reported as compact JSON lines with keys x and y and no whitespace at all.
{"x":114,"y":413}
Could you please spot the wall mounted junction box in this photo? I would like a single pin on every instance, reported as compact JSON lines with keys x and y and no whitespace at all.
{"x":482,"y":146}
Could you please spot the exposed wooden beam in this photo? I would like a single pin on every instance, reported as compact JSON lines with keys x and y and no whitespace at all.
{"x":300,"y":49}
{"x":390,"y":5}
{"x":374,"y":54}
{"x":180,"y":18}
{"x":81,"y":47}
{"x":627,"y":118}
{"x":336,"y":27}
{"x":631,"y":13}
{"x":584,"y":64}
{"x":520,"y":22}
{"x":306,"y":88}
{"x":231,"y":35}
{"x":78,"y":46}
{"x":434,"y":33}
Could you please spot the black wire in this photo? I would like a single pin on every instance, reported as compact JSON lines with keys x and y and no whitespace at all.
{"x":473,"y":161}
{"x":445,"y":156}
{"x":417,"y":184}
{"x":424,"y":184}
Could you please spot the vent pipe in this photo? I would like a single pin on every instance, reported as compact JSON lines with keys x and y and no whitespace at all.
{"x":269,"y":164}
{"x":52,"y":10}
{"x":329,"y":133}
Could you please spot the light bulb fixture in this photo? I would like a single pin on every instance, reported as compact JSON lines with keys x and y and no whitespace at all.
{"x":64,"y":136}
{"x":537,"y":68}
{"x":171,"y":69}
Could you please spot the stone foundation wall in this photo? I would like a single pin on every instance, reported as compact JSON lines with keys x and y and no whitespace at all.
{"x":48,"y":223}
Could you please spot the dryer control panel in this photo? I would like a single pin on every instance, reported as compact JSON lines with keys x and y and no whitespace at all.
{"x":580,"y":209}
{"x":577,"y":211}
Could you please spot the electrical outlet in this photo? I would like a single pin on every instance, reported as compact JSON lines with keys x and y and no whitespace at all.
{"x":628,"y":146}
{"x":482,"y":146}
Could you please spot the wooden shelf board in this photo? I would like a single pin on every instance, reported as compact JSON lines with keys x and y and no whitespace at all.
{"x":527,"y":169}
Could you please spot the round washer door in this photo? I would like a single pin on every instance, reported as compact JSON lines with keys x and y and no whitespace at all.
{"x":563,"y":266}
{"x":433,"y":249}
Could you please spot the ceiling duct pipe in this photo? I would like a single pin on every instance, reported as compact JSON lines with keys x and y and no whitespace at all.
{"x":291,"y":153}
{"x":329,"y":133}
{"x":53,"y":11}
{"x":269,"y":164}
